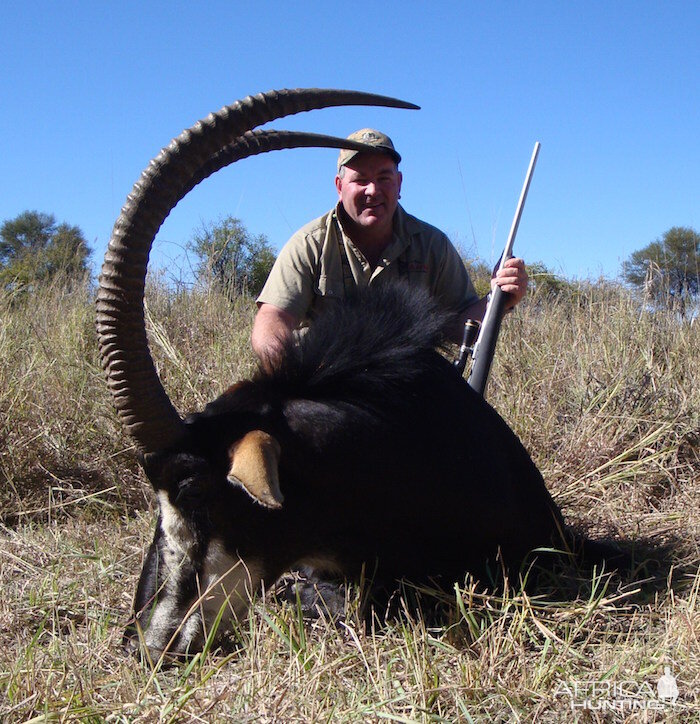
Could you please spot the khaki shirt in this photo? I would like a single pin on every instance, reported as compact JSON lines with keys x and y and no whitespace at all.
{"x":320,"y":265}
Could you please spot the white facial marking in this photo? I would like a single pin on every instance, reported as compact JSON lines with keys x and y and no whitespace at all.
{"x":176,"y":531}
{"x":228,"y":581}
{"x":166,"y":614}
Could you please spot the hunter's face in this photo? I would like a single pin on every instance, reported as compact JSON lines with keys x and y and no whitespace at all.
{"x":369,"y":191}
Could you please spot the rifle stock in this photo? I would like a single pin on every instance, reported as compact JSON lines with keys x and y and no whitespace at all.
{"x":485,"y":346}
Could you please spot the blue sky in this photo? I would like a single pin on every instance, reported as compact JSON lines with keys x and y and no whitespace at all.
{"x":92,"y":90}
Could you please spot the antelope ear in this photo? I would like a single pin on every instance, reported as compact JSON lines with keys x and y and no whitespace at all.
{"x":255,"y":465}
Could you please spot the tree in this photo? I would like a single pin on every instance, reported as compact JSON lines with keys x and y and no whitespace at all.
{"x":544,"y":283}
{"x":480,"y":273}
{"x":35,"y":249}
{"x":668,"y":267}
{"x":230,"y":256}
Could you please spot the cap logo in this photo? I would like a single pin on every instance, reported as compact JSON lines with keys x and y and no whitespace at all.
{"x":380,"y":143}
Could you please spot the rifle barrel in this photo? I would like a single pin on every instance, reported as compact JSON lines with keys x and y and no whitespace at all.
{"x":485,"y":346}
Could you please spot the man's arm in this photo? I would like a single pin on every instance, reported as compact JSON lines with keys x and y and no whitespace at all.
{"x":272,"y":329}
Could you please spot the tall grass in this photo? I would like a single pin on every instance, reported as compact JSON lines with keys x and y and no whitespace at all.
{"x":605,"y":394}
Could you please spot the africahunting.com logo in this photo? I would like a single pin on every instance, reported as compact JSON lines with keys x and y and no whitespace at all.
{"x":620,"y":695}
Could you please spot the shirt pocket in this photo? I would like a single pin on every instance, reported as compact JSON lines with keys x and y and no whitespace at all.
{"x":330,"y":287}
{"x":328,"y":291}
{"x":416,"y":272}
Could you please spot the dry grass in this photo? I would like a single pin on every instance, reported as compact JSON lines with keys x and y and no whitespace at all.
{"x":606,"y":397}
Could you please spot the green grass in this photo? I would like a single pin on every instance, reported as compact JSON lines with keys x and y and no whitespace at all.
{"x":605,"y":396}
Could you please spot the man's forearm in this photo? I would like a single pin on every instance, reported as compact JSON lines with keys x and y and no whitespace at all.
{"x":272,"y":330}
{"x":473,"y":311}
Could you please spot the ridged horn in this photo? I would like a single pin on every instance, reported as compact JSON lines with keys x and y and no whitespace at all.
{"x":252,"y":143}
{"x":212,"y":143}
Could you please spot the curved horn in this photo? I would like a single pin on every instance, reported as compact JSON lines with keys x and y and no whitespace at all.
{"x":252,"y":143}
{"x":216,"y":141}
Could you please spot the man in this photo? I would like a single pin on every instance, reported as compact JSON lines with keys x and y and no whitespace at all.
{"x":367,"y":237}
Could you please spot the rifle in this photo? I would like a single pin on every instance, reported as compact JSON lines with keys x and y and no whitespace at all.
{"x":486,"y":336}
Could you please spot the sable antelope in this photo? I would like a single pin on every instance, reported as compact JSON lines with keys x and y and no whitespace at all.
{"x":362,"y":447}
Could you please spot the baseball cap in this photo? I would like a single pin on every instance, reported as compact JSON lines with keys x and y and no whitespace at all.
{"x":371,"y":137}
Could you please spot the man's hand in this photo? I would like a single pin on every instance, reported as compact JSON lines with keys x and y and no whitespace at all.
{"x":513,"y":280}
